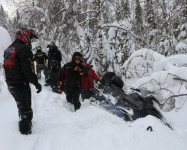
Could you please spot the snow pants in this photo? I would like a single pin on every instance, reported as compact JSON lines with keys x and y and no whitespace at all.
{"x":72,"y":96}
{"x":86,"y":94}
{"x":22,"y":95}
{"x":39,"y":69}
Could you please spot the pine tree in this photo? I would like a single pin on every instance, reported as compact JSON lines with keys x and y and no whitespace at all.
{"x":125,"y":10}
{"x":150,"y":16}
{"x":3,"y":18}
{"x":138,"y":18}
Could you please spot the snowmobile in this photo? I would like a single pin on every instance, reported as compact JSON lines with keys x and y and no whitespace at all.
{"x":127,"y":106}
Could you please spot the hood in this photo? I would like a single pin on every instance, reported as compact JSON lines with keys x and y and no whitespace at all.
{"x":76,"y":54}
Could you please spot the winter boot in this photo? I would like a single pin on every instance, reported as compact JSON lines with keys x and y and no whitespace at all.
{"x":25,"y":127}
{"x":77,"y":106}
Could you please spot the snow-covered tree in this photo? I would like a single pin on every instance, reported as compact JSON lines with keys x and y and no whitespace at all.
{"x":3,"y":18}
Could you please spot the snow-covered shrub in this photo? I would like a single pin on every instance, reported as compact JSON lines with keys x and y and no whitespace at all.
{"x":166,"y":77}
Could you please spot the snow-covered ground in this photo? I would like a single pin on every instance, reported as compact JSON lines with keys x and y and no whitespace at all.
{"x":57,"y":127}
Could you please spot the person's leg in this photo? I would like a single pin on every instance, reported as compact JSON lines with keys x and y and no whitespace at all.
{"x":22,"y":96}
{"x":69,"y":96}
{"x":38,"y":71}
{"x":83,"y":95}
{"x":75,"y":99}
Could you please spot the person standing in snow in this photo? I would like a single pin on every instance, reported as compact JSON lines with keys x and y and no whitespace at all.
{"x":87,"y":84}
{"x":54,"y":54}
{"x":19,"y":72}
{"x":52,"y":75}
{"x":40,"y":59}
{"x":70,"y":79}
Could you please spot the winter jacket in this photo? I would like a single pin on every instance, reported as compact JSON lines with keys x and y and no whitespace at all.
{"x":18,"y":64}
{"x":87,"y":83}
{"x":71,"y":75}
{"x":40,"y":58}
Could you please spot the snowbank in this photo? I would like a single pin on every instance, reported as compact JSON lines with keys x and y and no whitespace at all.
{"x":56,"y":127}
{"x":5,"y":41}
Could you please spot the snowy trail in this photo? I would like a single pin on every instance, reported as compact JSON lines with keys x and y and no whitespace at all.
{"x":56,"y":127}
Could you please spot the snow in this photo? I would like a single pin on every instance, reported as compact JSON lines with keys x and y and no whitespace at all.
{"x":57,"y":127}
{"x":5,"y":41}
{"x":181,"y":47}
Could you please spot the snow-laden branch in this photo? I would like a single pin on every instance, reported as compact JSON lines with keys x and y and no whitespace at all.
{"x":88,"y":11}
{"x":132,"y":33}
{"x":86,"y":21}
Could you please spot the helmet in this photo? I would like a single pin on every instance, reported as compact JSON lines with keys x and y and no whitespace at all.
{"x":38,"y":48}
{"x":25,"y":35}
{"x":83,"y":59}
{"x":52,"y":44}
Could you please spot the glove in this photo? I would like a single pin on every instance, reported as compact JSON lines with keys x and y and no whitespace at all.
{"x":59,"y":86}
{"x":38,"y":87}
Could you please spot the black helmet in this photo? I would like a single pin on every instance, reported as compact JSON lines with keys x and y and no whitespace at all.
{"x":38,"y":48}
{"x":84,"y":60}
{"x":52,"y":44}
{"x":25,"y":35}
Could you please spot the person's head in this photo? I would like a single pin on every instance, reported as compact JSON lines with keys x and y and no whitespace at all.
{"x":51,"y":45}
{"x":77,"y":57}
{"x":38,"y":48}
{"x":25,"y":35}
{"x":84,"y":63}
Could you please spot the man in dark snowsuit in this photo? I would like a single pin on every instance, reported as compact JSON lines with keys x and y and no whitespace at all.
{"x":19,"y":72}
{"x":52,"y":76}
{"x":40,"y":59}
{"x":70,"y":79}
{"x":54,"y":54}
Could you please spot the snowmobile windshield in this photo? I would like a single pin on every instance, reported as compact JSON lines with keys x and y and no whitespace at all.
{"x":111,"y":78}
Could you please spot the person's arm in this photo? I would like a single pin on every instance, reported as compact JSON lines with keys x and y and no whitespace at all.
{"x":27,"y":66}
{"x":83,"y":71}
{"x":60,"y":85}
{"x":95,"y":76}
{"x":62,"y":74}
{"x":46,"y":56}
{"x":59,"y":56}
{"x":34,"y":57}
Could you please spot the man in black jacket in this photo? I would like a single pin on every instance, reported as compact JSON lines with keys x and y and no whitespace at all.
{"x":40,"y":59}
{"x":19,"y":72}
{"x":70,"y":79}
{"x":54,"y":54}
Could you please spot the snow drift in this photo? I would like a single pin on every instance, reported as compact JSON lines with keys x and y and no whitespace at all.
{"x":5,"y":41}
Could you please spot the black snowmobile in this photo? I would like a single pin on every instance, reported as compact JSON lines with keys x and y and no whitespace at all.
{"x":111,"y":84}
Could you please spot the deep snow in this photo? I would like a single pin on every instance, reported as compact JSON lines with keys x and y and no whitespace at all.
{"x":5,"y":41}
{"x":56,"y":127}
